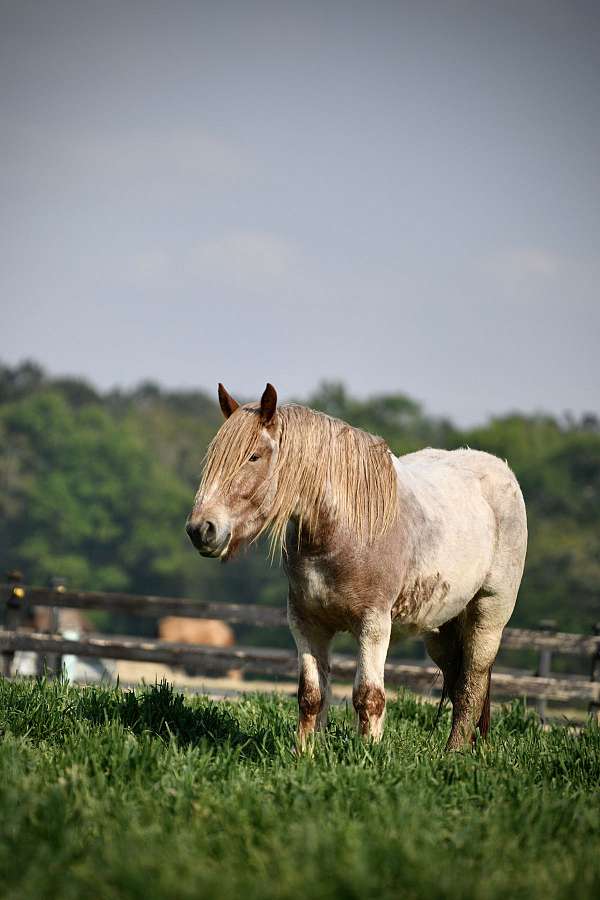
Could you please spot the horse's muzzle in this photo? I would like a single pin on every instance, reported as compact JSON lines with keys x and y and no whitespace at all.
{"x":208,"y":537}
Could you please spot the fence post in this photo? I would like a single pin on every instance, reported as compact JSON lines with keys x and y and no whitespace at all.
{"x":594,"y":708}
{"x":544,"y":665}
{"x":13,"y":614}
{"x":51,"y":664}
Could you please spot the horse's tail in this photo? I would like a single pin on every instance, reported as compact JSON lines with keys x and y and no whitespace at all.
{"x":484,"y":718}
{"x":443,"y":699}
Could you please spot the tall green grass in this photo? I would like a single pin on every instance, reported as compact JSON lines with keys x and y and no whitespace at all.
{"x":109,"y":794}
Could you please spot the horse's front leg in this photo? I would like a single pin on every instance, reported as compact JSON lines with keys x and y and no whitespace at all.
{"x":368,"y":694}
{"x":313,"y":643}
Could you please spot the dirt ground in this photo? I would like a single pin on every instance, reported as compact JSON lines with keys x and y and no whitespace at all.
{"x":134,"y":673}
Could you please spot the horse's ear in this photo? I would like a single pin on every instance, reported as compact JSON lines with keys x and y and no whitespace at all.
{"x":226,"y":401}
{"x":268,"y":404}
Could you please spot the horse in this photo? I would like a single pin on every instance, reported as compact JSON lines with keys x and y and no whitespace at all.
{"x":432,"y":542}
{"x":207,"y":632}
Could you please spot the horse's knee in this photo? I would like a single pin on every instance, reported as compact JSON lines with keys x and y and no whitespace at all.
{"x":310,"y":698}
{"x":369,"y":703}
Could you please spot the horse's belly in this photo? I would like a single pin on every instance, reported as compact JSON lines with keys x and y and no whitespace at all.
{"x":440,"y":588}
{"x":428,"y":603}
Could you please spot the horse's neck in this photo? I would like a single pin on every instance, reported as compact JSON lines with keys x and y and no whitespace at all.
{"x":325,"y":538}
{"x":329,"y":538}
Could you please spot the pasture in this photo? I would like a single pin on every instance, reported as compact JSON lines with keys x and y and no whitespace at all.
{"x":106,"y":793}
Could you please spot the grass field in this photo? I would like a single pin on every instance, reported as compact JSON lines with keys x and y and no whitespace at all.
{"x":110,"y":794}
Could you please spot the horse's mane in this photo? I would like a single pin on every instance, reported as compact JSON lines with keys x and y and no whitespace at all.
{"x":318,"y":455}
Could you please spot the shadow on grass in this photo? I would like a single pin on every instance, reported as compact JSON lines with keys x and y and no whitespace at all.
{"x":255,"y":728}
{"x":51,"y":710}
{"x":162,"y":712}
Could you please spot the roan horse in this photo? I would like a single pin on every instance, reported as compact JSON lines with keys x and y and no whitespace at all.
{"x":433,"y":542}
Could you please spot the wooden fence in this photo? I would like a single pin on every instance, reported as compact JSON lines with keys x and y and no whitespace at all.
{"x":271,"y":662}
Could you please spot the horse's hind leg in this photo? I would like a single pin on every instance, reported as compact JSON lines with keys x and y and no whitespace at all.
{"x":445,"y":648}
{"x":483,"y":620}
{"x":481,"y":632}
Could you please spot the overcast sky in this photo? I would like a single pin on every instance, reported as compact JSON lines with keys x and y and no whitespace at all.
{"x":404,"y":196}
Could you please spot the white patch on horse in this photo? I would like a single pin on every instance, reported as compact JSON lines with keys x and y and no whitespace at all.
{"x":316,"y":586}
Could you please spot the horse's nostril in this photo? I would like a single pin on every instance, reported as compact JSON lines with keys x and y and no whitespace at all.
{"x":206,"y":536}
{"x":207,"y":531}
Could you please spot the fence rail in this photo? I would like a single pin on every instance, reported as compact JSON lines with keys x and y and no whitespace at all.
{"x":155,"y":607}
{"x":276,"y":662}
{"x":270,"y":661}
{"x":265,"y":616}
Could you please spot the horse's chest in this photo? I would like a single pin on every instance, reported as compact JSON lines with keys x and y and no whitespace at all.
{"x":311,"y":583}
{"x":316,"y":594}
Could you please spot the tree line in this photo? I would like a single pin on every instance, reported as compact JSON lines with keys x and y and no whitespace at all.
{"x":95,"y":487}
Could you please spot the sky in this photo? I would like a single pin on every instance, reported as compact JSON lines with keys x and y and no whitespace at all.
{"x":404,"y":196}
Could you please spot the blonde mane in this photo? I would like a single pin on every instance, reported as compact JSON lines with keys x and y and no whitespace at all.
{"x":318,"y":456}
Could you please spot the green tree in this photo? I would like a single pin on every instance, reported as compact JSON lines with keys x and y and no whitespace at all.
{"x":97,"y":487}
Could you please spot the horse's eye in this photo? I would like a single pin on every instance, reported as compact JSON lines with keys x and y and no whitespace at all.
{"x":254,"y":457}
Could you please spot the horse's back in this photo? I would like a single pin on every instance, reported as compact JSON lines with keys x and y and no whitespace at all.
{"x":471,"y":469}
{"x":479,"y":480}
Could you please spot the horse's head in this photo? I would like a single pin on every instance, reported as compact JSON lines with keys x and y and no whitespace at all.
{"x":239,"y":480}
